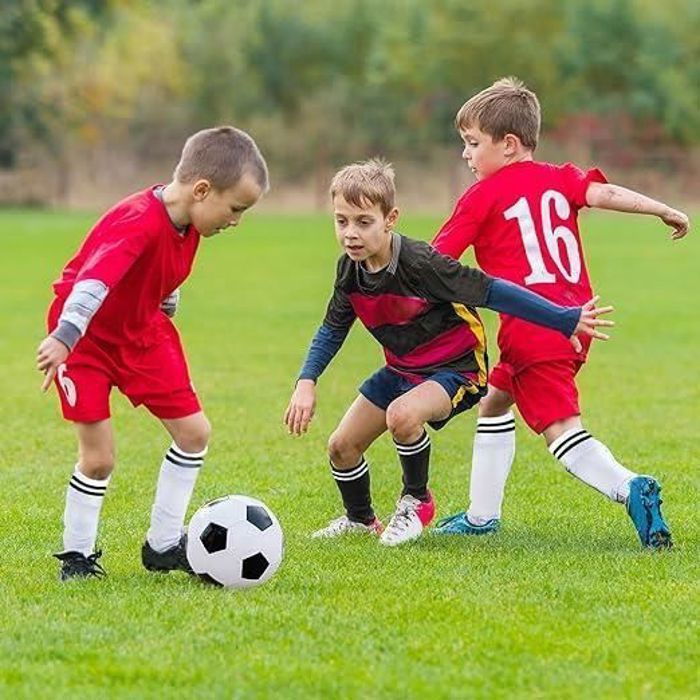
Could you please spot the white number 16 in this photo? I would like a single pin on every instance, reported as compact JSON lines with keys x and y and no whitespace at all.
{"x":539,"y":274}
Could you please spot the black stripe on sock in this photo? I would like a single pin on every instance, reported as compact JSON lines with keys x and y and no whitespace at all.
{"x":101,"y":489}
{"x":489,"y":430}
{"x":85,"y":491}
{"x":480,"y":423}
{"x":180,"y":463}
{"x":570,"y":444}
{"x":186,"y":457}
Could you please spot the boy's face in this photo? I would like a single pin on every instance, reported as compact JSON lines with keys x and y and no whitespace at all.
{"x":213,"y":210}
{"x":484,"y":156}
{"x":363,"y":232}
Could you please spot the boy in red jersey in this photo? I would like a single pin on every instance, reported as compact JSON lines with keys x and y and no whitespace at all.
{"x":109,"y":326}
{"x":418,"y":305}
{"x":521,"y":218}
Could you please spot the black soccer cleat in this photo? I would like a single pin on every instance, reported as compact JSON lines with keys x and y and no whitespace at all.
{"x":77,"y":565}
{"x":173,"y":559}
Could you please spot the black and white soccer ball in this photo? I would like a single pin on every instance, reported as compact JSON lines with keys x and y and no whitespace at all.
{"x":235,"y":541}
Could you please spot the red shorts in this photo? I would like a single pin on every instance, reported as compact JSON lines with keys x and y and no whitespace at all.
{"x":544,"y":392}
{"x":156,"y":376}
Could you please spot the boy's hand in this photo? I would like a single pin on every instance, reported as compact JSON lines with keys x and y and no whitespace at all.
{"x":678,"y":221}
{"x":589,"y":321}
{"x":50,"y":354}
{"x":301,"y":407}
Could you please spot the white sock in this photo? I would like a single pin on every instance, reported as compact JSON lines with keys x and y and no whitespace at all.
{"x":81,"y":517}
{"x":492,"y":458}
{"x":592,"y":462}
{"x":178,"y":474}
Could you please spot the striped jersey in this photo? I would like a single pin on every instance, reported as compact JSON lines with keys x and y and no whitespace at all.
{"x":420,"y":308}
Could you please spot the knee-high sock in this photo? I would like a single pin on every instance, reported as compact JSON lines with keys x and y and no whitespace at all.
{"x":415,"y":460}
{"x":178,"y":474}
{"x":592,"y":462}
{"x":354,"y":487}
{"x":492,"y":458}
{"x":81,"y":516}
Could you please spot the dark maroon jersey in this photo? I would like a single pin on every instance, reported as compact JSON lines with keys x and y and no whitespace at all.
{"x":420,"y":308}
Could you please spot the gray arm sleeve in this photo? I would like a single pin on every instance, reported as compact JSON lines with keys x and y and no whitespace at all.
{"x":81,"y":305}
{"x":170,"y":303}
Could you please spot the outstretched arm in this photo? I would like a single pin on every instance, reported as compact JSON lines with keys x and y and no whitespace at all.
{"x":506,"y":297}
{"x":615,"y":198}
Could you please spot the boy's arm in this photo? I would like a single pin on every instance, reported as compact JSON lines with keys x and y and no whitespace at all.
{"x":170,"y":304}
{"x":448,"y":280}
{"x":325,"y":344}
{"x":508,"y":298}
{"x":460,"y":230}
{"x":615,"y":198}
{"x":108,"y":263}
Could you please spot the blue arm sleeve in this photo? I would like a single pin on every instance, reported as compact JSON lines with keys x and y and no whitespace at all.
{"x":508,"y":298}
{"x":324,"y":346}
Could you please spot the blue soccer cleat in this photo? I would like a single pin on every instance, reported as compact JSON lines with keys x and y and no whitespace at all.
{"x":644,"y":508}
{"x":458,"y":524}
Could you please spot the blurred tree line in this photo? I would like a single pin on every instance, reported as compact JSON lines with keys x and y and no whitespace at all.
{"x":321,"y":82}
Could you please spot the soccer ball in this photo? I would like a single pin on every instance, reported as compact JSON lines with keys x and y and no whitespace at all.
{"x":234,"y":541}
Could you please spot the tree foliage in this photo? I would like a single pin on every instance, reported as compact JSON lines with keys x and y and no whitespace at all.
{"x":322,"y":80}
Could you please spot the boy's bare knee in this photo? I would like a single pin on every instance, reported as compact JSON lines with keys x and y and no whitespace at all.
{"x":342,"y":451}
{"x":96,"y":465}
{"x":193,"y":435}
{"x":496,"y":403}
{"x":402,"y":422}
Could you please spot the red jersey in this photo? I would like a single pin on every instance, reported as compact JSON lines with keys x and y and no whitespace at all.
{"x":140,"y":256}
{"x":522,"y":222}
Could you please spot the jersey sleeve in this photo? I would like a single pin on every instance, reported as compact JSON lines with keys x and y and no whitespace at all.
{"x":443,"y":279}
{"x":576,"y":182}
{"x":116,"y":252}
{"x":339,"y":314}
{"x":461,"y":229}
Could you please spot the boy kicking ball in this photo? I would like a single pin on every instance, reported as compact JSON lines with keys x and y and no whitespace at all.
{"x":109,"y":326}
{"x":418,"y":305}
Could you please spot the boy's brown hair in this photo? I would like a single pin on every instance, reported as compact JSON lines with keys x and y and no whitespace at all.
{"x":506,"y":107}
{"x":221,"y":155}
{"x":370,"y":181}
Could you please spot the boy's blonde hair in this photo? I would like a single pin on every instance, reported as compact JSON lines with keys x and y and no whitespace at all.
{"x":221,"y":155}
{"x":506,"y":107}
{"x":368,"y":182}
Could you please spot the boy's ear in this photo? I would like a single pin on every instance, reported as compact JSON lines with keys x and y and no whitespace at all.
{"x":391,"y":218}
{"x":201,"y":189}
{"x":511,"y":144}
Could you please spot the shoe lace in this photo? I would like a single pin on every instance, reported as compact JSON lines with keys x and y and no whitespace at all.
{"x":87,"y":565}
{"x":338,"y":525}
{"x":94,"y":567}
{"x":449,"y":519}
{"x":400,"y":520}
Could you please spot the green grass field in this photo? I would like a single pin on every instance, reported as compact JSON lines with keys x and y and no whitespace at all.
{"x":560,"y":604}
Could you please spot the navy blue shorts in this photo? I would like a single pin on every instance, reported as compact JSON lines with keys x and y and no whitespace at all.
{"x":385,"y":385}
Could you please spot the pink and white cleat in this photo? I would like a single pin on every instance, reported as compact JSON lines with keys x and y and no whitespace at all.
{"x":409,"y":520}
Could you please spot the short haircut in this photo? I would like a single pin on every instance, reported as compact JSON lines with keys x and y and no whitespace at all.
{"x":506,"y":107}
{"x":369,"y":182}
{"x":221,"y":155}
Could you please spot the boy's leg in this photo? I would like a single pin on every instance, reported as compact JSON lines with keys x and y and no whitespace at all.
{"x":548,"y":401}
{"x":592,"y":462}
{"x":84,"y":498}
{"x":492,"y":457}
{"x":492,"y":453}
{"x":406,"y":417}
{"x":361,"y":425}
{"x":178,"y":475}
